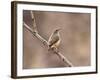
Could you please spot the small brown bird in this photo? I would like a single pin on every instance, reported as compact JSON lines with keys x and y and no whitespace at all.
{"x":54,"y":40}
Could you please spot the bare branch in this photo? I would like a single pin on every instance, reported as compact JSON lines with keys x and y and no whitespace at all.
{"x":36,"y":34}
{"x":33,"y":21}
{"x":28,"y":27}
{"x":45,"y":42}
{"x":64,"y":59}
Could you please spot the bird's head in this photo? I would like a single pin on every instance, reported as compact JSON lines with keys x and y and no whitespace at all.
{"x":57,"y":30}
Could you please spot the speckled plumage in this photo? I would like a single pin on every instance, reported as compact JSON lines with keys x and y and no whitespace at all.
{"x":54,"y":39}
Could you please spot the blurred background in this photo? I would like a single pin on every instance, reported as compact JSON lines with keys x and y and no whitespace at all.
{"x":75,"y":39}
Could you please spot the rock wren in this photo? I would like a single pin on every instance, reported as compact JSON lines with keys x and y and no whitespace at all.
{"x":54,"y":39}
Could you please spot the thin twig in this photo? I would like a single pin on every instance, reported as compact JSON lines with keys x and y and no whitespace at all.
{"x":36,"y":34}
{"x":64,"y":59}
{"x":33,"y":21}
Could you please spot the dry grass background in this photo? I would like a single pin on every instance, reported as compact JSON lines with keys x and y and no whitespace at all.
{"x":75,"y":39}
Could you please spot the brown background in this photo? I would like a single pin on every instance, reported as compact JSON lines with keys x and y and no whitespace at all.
{"x":75,"y":39}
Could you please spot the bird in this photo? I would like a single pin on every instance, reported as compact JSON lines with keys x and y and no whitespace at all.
{"x":54,"y":39}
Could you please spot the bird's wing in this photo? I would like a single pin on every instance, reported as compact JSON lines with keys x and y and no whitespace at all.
{"x":50,"y":37}
{"x":53,"y":40}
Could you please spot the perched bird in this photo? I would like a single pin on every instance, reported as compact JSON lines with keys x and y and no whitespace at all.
{"x":54,"y":39}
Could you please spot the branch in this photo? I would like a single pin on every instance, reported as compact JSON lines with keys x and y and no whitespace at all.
{"x":33,"y":21}
{"x":64,"y":59}
{"x":36,"y":34}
